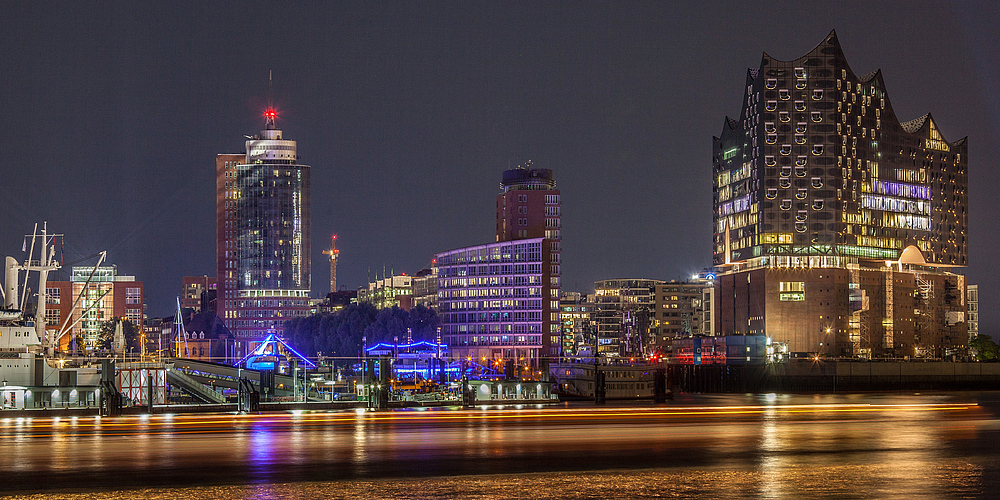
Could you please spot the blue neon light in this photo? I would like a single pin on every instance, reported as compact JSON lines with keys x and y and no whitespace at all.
{"x":383,"y":346}
{"x":261,"y":350}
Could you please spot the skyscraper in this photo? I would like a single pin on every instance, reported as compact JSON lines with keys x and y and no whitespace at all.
{"x":501,"y":300}
{"x":263,"y":234}
{"x":835,"y":223}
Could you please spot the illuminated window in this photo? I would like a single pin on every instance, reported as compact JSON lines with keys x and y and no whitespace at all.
{"x":817,"y":204}
{"x":800,"y":161}
{"x":817,"y":94}
{"x":800,"y":72}
{"x":800,"y":139}
{"x":800,"y":105}
{"x":771,"y":193}
{"x":786,"y":204}
{"x":771,"y":83}
{"x":792,"y":291}
{"x":786,"y":149}
{"x":784,"y":116}
{"x":817,"y":149}
{"x":817,"y":182}
{"x":771,"y":138}
{"x":785,"y":182}
{"x":800,"y":194}
{"x":800,"y":227}
{"x":800,"y":127}
{"x":800,"y":171}
{"x":784,"y":94}
{"x":769,"y":160}
{"x":771,"y":105}
{"x":800,"y":83}
{"x":817,"y":116}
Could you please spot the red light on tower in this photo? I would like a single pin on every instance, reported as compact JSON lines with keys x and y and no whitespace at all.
{"x":270,"y":113}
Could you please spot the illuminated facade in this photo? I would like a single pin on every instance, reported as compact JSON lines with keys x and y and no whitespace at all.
{"x":107,"y":296}
{"x":500,"y":301}
{"x":391,"y":291}
{"x":263,"y":235}
{"x":680,"y":309}
{"x":816,"y":186}
{"x":623,"y":310}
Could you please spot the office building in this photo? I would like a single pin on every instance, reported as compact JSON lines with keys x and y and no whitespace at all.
{"x":263,"y":235}
{"x":108,"y":295}
{"x":623,"y":310}
{"x":500,"y":301}
{"x":390,"y":291}
{"x":836,"y":225}
{"x":679,"y":310}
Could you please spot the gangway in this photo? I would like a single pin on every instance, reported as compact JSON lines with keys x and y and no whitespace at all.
{"x":193,"y":387}
{"x":225,"y":376}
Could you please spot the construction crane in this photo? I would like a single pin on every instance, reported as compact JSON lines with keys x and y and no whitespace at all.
{"x":333,"y":252}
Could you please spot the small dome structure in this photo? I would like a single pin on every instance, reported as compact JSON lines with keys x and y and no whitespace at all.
{"x":912,"y":255}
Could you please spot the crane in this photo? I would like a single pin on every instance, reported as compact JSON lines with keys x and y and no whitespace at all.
{"x":333,"y":252}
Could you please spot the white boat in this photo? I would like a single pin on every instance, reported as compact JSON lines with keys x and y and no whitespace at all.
{"x":31,"y":375}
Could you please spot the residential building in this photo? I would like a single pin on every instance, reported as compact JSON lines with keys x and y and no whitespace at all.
{"x":836,"y":226}
{"x":195,"y":293}
{"x":578,"y":327}
{"x":391,"y":291}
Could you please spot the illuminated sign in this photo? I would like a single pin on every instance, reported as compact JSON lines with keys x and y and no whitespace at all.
{"x":935,"y":144}
{"x":729,"y":153}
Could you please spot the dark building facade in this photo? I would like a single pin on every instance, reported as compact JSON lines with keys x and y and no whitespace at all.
{"x":528,"y":205}
{"x":818,"y":190}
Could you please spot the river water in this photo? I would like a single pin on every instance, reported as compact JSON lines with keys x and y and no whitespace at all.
{"x":701,"y":446}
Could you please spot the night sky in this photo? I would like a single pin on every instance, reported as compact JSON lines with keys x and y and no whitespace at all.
{"x":408,"y":112}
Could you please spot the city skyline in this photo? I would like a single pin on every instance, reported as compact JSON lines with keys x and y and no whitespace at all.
{"x":408,"y":116}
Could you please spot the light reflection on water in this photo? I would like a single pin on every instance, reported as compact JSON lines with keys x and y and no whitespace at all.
{"x":784,"y":447}
{"x":941,"y":479}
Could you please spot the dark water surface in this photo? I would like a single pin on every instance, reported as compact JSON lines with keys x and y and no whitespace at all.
{"x":705,"y":446}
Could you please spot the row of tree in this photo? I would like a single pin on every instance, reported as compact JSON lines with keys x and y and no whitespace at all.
{"x":341,"y":334}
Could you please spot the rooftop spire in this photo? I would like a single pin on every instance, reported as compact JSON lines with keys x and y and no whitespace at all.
{"x":269,"y":114}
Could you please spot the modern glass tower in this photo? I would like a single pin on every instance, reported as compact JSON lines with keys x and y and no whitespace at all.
{"x":269,"y":282}
{"x":817,"y":188}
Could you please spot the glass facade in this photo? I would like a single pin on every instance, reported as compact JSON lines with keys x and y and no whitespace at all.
{"x":266,"y":279}
{"x":818,"y":164}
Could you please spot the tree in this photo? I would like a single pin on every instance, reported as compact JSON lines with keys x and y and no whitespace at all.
{"x":107,"y":336}
{"x":341,"y":334}
{"x":985,"y":347}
